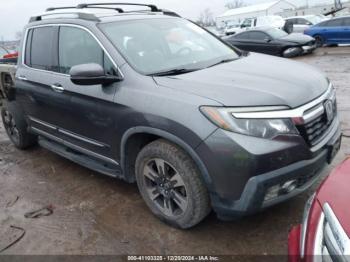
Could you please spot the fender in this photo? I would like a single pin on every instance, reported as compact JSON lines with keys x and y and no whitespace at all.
{"x":174,"y":139}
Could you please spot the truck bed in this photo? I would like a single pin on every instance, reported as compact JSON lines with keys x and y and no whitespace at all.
{"x":7,"y":79}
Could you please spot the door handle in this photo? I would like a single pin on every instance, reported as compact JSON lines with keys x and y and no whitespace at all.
{"x":57,"y":88}
{"x":22,"y":78}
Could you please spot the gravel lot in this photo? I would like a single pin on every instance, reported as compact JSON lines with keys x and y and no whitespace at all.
{"x":94,"y":214}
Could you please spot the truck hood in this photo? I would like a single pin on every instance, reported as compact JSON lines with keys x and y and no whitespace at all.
{"x":335,"y":192}
{"x":298,"y":38}
{"x":255,"y":80}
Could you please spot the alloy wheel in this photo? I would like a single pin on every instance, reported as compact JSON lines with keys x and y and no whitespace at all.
{"x":10,"y":126}
{"x":165,"y":187}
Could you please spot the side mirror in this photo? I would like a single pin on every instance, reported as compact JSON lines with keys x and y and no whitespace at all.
{"x":91,"y":74}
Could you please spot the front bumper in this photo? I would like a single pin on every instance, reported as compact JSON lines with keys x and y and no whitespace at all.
{"x":244,"y":168}
{"x":309,"y":49}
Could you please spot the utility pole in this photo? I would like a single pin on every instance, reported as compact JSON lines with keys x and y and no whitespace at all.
{"x":307,"y":3}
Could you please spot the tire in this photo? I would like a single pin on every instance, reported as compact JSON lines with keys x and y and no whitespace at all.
{"x":16,"y":126}
{"x":319,"y":41}
{"x":162,"y":191}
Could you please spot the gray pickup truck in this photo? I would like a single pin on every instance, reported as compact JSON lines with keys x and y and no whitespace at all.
{"x":152,"y":98}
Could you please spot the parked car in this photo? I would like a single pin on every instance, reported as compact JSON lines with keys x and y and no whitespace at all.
{"x":231,"y":29}
{"x":332,"y":32}
{"x":301,"y":23}
{"x":325,"y":232}
{"x":261,"y":21}
{"x":273,"y":41}
{"x":196,"y":123}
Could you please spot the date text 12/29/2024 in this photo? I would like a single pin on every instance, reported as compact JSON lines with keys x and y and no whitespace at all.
{"x":173,"y":258}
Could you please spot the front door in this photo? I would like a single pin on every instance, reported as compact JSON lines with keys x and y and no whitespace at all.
{"x":90,"y":122}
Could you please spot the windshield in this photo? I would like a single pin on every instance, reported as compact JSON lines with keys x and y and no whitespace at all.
{"x":157,"y":45}
{"x":2,"y":52}
{"x":276,"y":33}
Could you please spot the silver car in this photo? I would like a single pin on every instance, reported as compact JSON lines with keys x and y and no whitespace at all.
{"x":301,"y":23}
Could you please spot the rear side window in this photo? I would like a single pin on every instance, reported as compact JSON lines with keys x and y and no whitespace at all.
{"x":334,"y":23}
{"x":241,"y":36}
{"x":40,"y":48}
{"x":258,"y":36}
{"x":302,"y":21}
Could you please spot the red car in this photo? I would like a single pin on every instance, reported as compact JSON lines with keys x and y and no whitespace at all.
{"x":325,"y":232}
{"x":12,"y":55}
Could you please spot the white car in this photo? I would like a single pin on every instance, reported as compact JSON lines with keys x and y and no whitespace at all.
{"x":261,"y":21}
{"x":301,"y":23}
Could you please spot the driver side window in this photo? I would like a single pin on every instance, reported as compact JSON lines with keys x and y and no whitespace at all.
{"x":77,"y":46}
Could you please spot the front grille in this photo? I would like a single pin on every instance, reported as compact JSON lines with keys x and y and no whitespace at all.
{"x":314,"y":130}
{"x":331,"y":240}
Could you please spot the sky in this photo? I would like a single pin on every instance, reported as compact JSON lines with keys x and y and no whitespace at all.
{"x":14,"y":14}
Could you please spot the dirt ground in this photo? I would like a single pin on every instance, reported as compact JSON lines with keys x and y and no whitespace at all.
{"x":94,"y":214}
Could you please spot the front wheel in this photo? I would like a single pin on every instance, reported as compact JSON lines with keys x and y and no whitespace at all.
{"x":170,"y":184}
{"x":319,"y":41}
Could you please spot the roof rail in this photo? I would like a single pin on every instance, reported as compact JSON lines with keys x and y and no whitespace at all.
{"x":84,"y":16}
{"x":91,"y":5}
{"x":119,"y":10}
{"x":108,"y":6}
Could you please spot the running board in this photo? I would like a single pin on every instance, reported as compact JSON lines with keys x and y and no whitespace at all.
{"x":82,"y":159}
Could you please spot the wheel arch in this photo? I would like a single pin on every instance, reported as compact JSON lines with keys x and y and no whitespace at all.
{"x":154,"y":134}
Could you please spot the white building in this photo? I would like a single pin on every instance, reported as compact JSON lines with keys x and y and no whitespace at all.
{"x":239,"y":14}
{"x":316,"y":10}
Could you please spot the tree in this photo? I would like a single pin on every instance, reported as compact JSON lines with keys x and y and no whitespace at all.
{"x":235,"y":4}
{"x":206,"y":18}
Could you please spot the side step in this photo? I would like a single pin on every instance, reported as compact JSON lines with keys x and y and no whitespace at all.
{"x":81,"y":159}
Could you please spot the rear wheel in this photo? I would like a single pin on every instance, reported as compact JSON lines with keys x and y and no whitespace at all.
{"x":319,"y":41}
{"x":16,"y":126}
{"x":170,"y":184}
{"x":8,"y":86}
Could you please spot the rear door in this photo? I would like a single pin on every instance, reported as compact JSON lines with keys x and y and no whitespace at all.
{"x":36,"y":77}
{"x":333,"y":31}
{"x":300,"y":25}
{"x":261,"y":42}
{"x":346,"y":30}
{"x":241,"y":41}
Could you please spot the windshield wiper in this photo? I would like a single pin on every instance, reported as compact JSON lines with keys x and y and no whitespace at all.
{"x":172,"y":72}
{"x":223,"y":61}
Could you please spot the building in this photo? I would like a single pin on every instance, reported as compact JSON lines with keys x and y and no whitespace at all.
{"x":239,"y":14}
{"x":315,"y":10}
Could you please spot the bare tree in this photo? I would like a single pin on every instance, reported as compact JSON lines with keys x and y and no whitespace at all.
{"x":235,"y":4}
{"x":206,"y":18}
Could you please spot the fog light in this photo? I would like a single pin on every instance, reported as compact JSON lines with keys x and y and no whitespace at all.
{"x":281,"y":189}
{"x":288,"y":187}
{"x":272,"y":192}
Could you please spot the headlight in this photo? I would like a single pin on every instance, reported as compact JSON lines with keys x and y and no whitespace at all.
{"x":263,"y":128}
